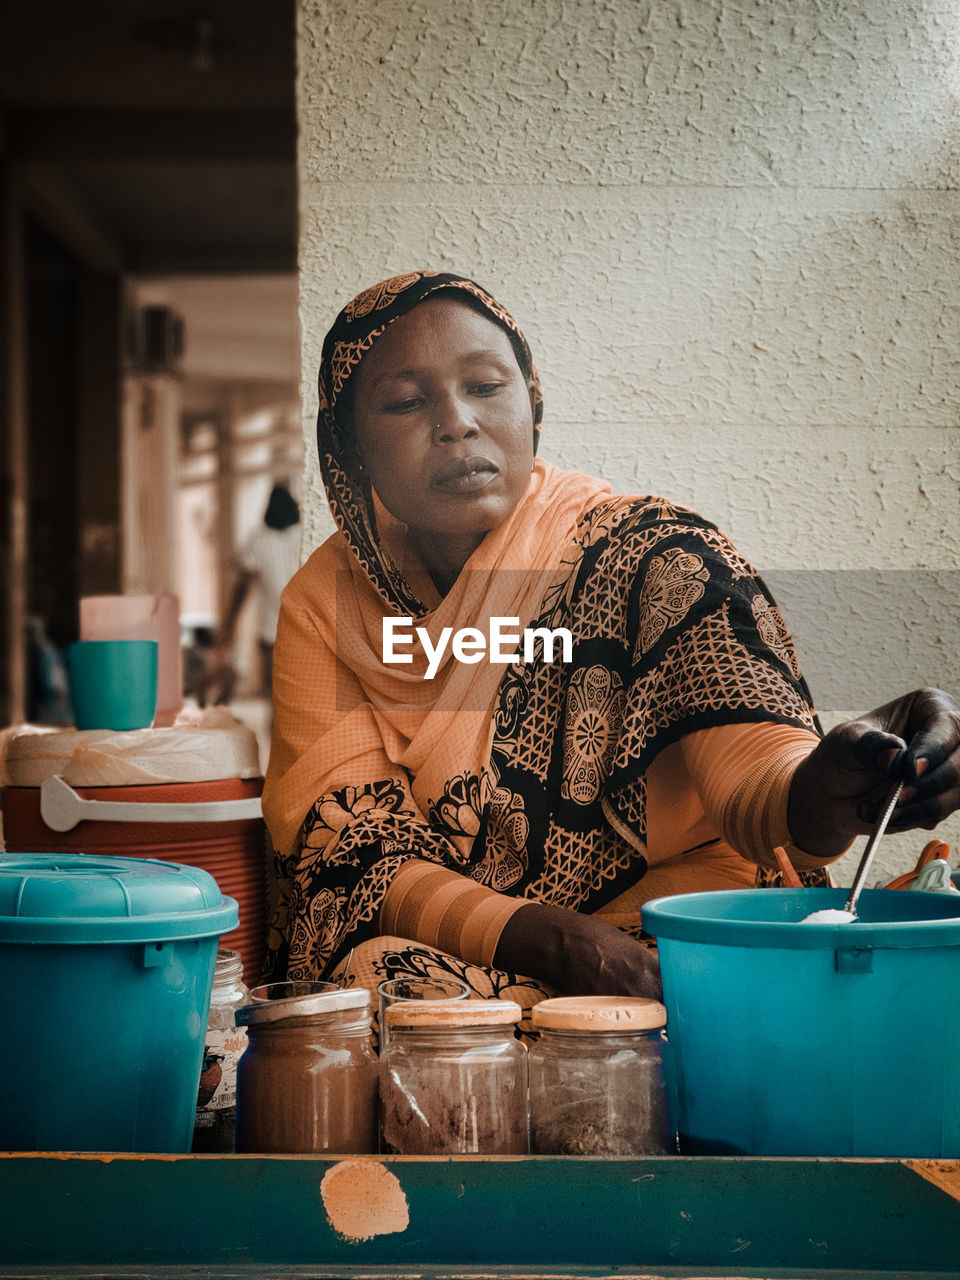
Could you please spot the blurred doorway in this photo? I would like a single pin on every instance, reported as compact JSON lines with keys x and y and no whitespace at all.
{"x":147,"y":163}
{"x":232,"y":400}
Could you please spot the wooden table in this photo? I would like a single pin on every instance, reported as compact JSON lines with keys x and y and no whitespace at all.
{"x":213,"y":1217}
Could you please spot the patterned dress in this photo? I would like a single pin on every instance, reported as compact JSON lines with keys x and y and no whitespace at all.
{"x":672,"y":632}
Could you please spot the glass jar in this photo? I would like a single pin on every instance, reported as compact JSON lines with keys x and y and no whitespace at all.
{"x":453,"y":1079}
{"x":308,"y":1080}
{"x":596,"y":1078}
{"x":215,"y":1124}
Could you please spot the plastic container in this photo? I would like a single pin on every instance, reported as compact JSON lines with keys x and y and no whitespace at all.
{"x":596,"y":1078}
{"x":113,"y":683}
{"x":224,"y":1046}
{"x":229,"y":845}
{"x":794,"y":1039}
{"x":308,"y":1080}
{"x":106,"y":966}
{"x":142,"y":618}
{"x":453,"y":1079}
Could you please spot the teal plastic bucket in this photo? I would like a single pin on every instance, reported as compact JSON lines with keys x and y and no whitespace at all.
{"x":793,"y":1039}
{"x":106,"y":969}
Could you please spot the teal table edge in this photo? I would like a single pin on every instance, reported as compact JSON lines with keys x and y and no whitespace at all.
{"x":359,"y":1216}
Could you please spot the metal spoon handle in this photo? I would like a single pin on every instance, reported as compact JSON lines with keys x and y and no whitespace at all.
{"x":879,"y":827}
{"x":346,"y":968}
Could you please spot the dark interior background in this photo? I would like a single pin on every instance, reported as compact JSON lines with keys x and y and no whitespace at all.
{"x":136,"y":139}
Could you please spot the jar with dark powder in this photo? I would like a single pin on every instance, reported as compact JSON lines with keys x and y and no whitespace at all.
{"x":596,"y":1078}
{"x":308,"y":1080}
{"x":453,"y":1079}
{"x":225,"y":1043}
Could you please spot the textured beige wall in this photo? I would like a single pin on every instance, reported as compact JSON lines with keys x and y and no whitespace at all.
{"x":730,"y":232}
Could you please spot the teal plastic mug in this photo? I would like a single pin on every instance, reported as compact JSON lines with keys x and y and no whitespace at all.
{"x":113,"y":683}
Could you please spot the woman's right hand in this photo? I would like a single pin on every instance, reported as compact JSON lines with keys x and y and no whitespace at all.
{"x":839,"y":788}
{"x":576,"y":954}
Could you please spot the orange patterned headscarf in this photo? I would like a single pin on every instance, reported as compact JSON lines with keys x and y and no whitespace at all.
{"x":353,"y":333}
{"x":342,"y":717}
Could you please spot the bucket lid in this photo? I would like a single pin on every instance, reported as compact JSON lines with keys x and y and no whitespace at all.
{"x":80,"y":898}
{"x":598,"y":1013}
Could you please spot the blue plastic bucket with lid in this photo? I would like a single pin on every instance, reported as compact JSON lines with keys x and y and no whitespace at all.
{"x":812,"y":1039}
{"x":106,"y":970}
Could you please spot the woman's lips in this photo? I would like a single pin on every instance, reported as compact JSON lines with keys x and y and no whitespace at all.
{"x":466,"y":475}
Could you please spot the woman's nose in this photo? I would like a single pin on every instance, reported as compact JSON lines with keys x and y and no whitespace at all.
{"x":455,"y":423}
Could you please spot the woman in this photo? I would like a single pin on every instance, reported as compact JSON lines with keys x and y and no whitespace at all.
{"x":267,"y":560}
{"x":435,"y":810}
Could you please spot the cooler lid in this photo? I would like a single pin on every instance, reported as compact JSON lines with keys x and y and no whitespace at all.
{"x":82,"y":898}
{"x":220,"y":747}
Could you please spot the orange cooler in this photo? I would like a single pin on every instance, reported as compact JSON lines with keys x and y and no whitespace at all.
{"x":193,"y":796}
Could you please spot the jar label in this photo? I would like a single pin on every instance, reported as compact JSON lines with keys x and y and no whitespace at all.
{"x":218,"y":1075}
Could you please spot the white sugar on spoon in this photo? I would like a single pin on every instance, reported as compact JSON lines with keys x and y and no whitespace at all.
{"x":848,"y":914}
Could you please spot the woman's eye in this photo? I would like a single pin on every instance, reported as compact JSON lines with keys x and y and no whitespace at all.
{"x":486,"y":388}
{"x":407,"y":405}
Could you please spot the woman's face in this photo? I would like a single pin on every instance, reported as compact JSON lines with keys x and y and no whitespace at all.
{"x":443,"y":424}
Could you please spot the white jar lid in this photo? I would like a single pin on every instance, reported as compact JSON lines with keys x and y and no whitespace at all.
{"x":599,"y":1013}
{"x":302,"y":1006}
{"x":453,"y":1013}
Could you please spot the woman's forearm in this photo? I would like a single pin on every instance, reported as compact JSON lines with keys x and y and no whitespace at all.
{"x":433,"y":905}
{"x":576,"y":954}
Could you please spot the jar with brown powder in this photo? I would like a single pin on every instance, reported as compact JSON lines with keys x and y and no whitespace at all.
{"x":453,"y":1079}
{"x":308,"y":1080}
{"x":596,"y":1078}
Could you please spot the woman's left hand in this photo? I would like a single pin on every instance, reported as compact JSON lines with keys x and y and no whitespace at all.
{"x":839,"y":789}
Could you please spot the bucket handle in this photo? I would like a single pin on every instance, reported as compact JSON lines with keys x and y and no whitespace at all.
{"x":61,"y":809}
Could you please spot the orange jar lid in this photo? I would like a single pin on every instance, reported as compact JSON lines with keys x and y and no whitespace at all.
{"x":453,"y":1013}
{"x":599,"y":1013}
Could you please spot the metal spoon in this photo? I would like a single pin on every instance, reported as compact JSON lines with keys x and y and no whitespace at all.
{"x":345,"y":975}
{"x":849,"y":913}
{"x":879,"y":827}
